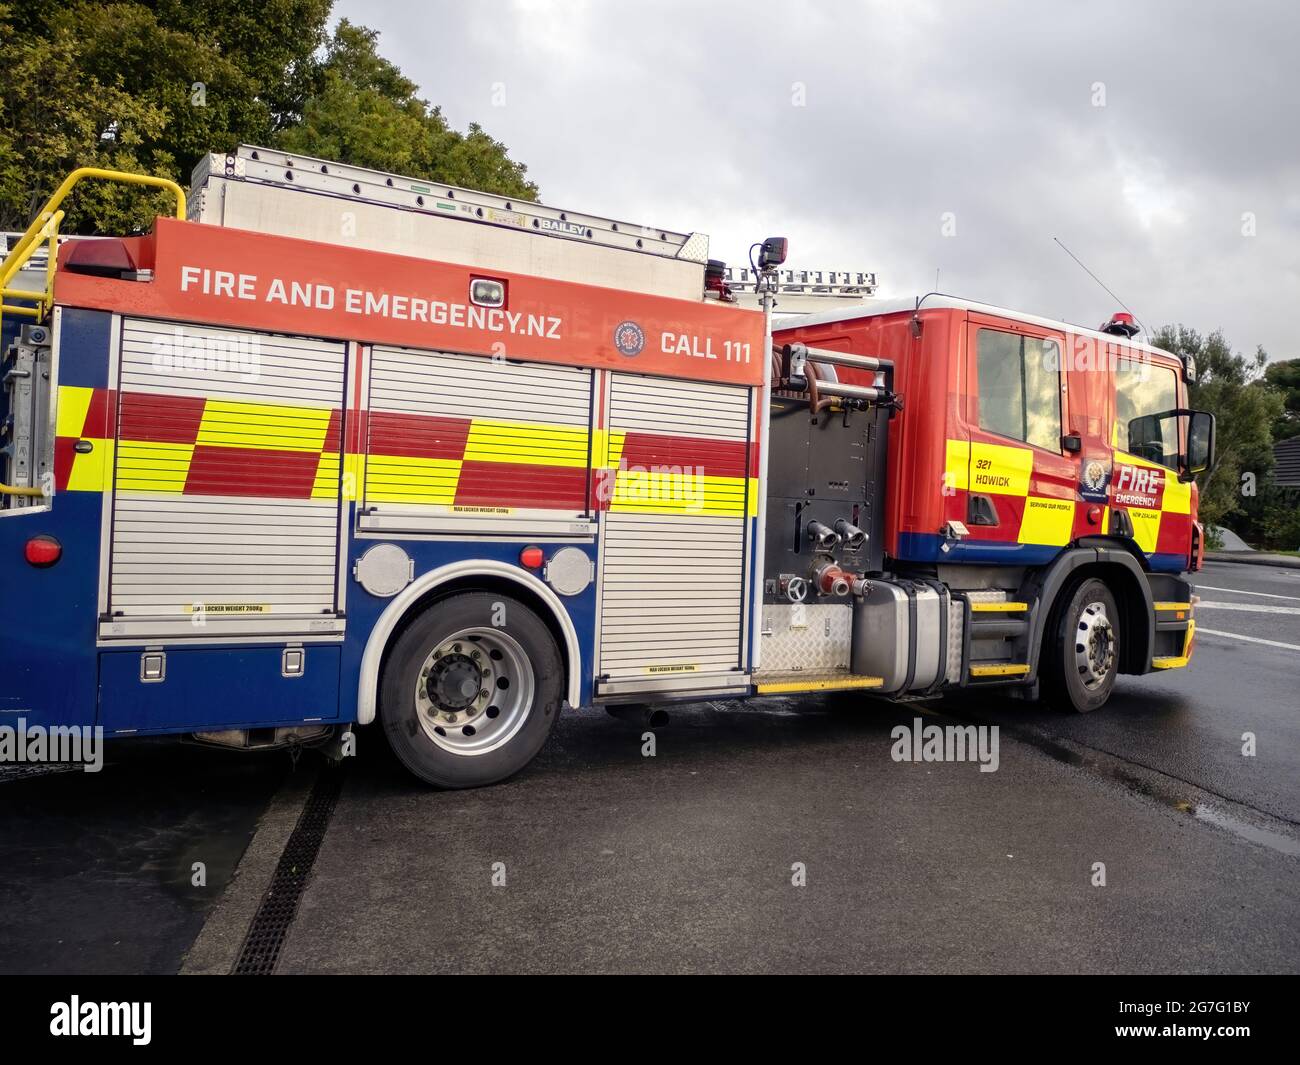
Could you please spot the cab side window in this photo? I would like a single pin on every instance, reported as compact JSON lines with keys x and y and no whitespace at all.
{"x":1143,"y":392}
{"x":1019,"y":387}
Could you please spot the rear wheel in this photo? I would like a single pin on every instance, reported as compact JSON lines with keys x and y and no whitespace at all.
{"x":471,"y":690}
{"x":1081,"y":658}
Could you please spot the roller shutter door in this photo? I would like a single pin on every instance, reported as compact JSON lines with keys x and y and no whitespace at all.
{"x":226,"y":491}
{"x":467,"y":443}
{"x":674,"y":537}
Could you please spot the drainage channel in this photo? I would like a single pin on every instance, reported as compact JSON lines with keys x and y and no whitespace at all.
{"x":1160,"y":792}
{"x":260,"y":952}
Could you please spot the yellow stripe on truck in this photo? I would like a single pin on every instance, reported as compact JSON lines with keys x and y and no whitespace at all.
{"x":398,"y":479}
{"x":996,"y":469}
{"x":92,"y":471}
{"x":1047,"y":521}
{"x":276,"y":427}
{"x":1146,"y":528}
{"x":152,"y":466}
{"x":526,"y":442}
{"x":667,"y":492}
{"x":956,"y":465}
{"x":74,"y":404}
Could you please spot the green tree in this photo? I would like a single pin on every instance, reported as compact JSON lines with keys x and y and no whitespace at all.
{"x":1231,"y":386}
{"x":1285,"y":377}
{"x":141,"y":87}
{"x":151,"y":87}
{"x":367,"y":113}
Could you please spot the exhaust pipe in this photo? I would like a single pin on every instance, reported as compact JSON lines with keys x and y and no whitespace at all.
{"x":639,"y":715}
{"x":853,"y":537}
{"x":823,"y":537}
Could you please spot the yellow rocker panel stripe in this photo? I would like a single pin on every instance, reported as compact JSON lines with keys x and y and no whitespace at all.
{"x":998,"y":670}
{"x":813,"y":685}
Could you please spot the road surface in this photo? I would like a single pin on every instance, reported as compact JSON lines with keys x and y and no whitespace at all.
{"x":601,"y":859}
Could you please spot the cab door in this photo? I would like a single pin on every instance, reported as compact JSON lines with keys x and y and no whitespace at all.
{"x":1021,"y":477}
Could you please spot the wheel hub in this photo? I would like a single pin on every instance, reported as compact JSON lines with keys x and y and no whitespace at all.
{"x":1094,"y":645}
{"x":474,"y":690}
{"x":454,"y":683}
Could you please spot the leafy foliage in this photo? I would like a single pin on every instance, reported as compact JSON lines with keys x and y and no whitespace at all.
{"x":151,"y":87}
{"x":1285,"y":377}
{"x":365,"y":112}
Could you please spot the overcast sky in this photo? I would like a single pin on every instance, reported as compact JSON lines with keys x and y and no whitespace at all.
{"x":1150,"y":137}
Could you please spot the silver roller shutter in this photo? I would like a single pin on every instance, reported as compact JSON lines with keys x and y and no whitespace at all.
{"x":466,"y":443}
{"x":673,"y":567}
{"x":226,"y":500}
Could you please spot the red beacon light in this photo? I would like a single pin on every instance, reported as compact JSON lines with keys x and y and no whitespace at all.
{"x":715,"y":281}
{"x":1121,"y":324}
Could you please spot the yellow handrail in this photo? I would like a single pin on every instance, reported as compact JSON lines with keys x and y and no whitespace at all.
{"x":15,"y":490}
{"x":48,"y":232}
{"x":61,"y":193}
{"x":44,"y":228}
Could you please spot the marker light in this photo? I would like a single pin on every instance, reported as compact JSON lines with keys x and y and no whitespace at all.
{"x":531,"y":558}
{"x":484,"y":292}
{"x":43,"y":551}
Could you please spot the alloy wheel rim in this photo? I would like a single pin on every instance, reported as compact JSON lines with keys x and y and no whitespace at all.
{"x":473,"y":691}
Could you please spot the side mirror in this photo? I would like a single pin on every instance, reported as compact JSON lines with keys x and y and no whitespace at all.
{"x":1200,"y":442}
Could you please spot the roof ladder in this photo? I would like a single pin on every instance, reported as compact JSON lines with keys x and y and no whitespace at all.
{"x":272,"y":167}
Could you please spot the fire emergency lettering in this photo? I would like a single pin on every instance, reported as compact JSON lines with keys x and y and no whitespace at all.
{"x":1138,"y":486}
{"x":397,"y":306}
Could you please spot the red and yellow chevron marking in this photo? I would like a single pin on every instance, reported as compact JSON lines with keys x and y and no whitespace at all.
{"x":218,"y":447}
{"x":1006,"y":471}
{"x":1160,"y":512}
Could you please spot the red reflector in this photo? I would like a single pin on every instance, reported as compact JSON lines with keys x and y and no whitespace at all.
{"x":531,"y":557}
{"x":43,"y":551}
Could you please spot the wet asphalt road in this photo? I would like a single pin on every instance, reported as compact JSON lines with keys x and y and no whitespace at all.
{"x":97,"y":869}
{"x":613,"y":861}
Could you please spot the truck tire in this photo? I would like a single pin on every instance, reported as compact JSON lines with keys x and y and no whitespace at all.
{"x":471,"y":690}
{"x":1081,"y":655}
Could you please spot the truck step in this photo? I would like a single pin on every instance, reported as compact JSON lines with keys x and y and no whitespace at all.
{"x":810,"y":681}
{"x":999,"y":669}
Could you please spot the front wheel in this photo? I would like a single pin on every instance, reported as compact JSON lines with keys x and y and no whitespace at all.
{"x":471,"y":690}
{"x":1081,"y":659}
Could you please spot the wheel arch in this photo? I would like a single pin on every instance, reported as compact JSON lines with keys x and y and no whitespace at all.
{"x":466,"y":576}
{"x":1125,"y":578}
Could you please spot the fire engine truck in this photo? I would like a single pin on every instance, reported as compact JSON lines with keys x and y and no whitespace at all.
{"x":334,"y":446}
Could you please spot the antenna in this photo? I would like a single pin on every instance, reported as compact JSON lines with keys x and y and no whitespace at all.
{"x":1103,"y":285}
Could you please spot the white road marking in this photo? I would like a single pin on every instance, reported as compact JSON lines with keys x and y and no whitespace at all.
{"x":1238,"y":591}
{"x":1250,"y":608}
{"x":1248,"y":639}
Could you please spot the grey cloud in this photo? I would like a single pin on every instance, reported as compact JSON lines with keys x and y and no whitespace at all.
{"x":681,"y":115}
